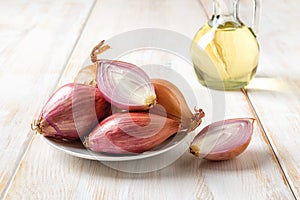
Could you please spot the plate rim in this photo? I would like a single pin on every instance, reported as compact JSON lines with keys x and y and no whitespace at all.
{"x":92,"y":156}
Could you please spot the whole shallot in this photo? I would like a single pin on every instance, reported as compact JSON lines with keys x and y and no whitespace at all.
{"x":72,"y":112}
{"x":171,"y":102}
{"x":134,"y":132}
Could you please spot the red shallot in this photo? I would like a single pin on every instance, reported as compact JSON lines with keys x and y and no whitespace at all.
{"x":127,"y":133}
{"x":223,"y":140}
{"x":125,"y":85}
{"x":71,"y":112}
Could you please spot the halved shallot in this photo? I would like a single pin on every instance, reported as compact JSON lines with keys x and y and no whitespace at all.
{"x":223,"y":140}
{"x":122,"y":84}
{"x":125,"y":85}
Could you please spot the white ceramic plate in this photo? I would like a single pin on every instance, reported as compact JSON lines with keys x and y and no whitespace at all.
{"x":76,"y":148}
{"x":180,"y":74}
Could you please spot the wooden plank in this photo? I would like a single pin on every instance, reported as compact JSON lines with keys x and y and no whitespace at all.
{"x":49,"y":173}
{"x":36,"y":39}
{"x":275,"y":92}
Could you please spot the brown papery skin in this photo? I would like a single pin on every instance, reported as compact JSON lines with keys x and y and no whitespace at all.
{"x":127,"y":133}
{"x":72,"y":112}
{"x":87,"y":75}
{"x":174,"y":105}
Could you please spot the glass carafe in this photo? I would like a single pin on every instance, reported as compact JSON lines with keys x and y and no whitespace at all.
{"x":225,"y":51}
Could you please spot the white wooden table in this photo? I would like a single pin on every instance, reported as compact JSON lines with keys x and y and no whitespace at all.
{"x":43,"y":45}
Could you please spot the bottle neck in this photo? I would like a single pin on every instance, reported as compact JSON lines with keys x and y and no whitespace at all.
{"x":225,"y":11}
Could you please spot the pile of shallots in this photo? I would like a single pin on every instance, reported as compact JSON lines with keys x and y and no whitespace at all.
{"x":116,"y":108}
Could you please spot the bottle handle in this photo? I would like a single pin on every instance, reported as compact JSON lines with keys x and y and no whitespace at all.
{"x":256,"y":15}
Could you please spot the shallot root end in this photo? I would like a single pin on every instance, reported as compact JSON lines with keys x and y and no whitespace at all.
{"x":36,"y":126}
{"x":86,"y":142}
{"x":194,"y":150}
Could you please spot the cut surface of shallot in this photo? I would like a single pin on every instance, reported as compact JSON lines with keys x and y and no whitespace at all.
{"x":223,"y":140}
{"x":125,"y":85}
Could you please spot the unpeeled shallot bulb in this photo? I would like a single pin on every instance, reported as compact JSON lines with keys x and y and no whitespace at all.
{"x":127,"y":133}
{"x":125,"y":85}
{"x":171,"y":102}
{"x":223,"y":140}
{"x":72,"y":112}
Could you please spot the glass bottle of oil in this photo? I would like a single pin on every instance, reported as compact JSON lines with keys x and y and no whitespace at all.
{"x":224,"y":51}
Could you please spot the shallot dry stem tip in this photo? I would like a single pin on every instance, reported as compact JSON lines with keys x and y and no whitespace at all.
{"x":98,"y":49}
{"x":196,"y":119}
{"x":199,"y":114}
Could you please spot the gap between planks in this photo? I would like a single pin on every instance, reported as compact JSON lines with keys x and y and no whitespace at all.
{"x":271,"y":145}
{"x":31,"y":135}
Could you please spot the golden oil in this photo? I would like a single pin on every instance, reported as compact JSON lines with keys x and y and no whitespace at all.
{"x":225,"y":57}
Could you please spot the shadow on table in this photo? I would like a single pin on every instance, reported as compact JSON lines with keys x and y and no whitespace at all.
{"x":272,"y":84}
{"x":190,"y":166}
